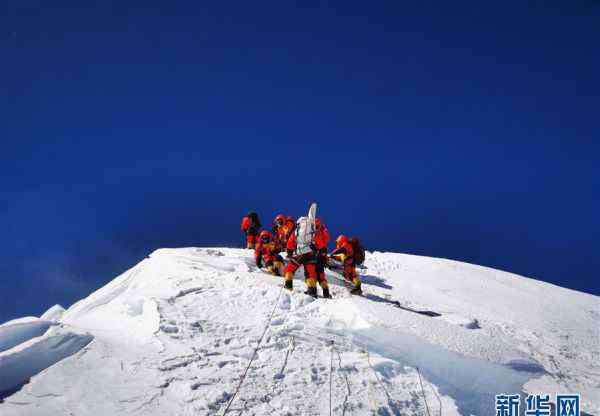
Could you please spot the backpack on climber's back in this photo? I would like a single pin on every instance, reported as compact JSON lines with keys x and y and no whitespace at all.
{"x":254,"y":221}
{"x":359,"y":251}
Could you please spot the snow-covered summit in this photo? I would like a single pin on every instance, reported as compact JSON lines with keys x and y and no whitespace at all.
{"x":174,"y":334}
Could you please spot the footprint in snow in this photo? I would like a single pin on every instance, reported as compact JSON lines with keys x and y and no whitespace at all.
{"x":197,"y":326}
{"x":277,"y":321}
{"x":307,"y":300}
{"x":315,"y":375}
{"x":285,"y":302}
{"x":474,"y":324}
{"x":222,"y":364}
{"x":169,"y":329}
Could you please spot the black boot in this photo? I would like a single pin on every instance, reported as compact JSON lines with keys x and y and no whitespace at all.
{"x":326,"y":293}
{"x":356,"y":291}
{"x":311,"y":291}
{"x":357,"y":287}
{"x":289,"y":285}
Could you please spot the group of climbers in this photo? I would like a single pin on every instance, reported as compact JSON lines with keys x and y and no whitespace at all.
{"x":268,"y":245}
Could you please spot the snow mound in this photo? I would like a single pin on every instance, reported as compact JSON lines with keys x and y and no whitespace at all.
{"x":174,"y":334}
{"x":53,"y":314}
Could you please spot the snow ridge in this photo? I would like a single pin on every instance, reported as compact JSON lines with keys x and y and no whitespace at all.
{"x":174,"y":335}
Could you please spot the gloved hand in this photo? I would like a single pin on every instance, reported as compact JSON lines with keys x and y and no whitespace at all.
{"x":290,"y":253}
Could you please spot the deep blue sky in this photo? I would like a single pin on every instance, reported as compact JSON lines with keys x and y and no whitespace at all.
{"x":466,"y":130}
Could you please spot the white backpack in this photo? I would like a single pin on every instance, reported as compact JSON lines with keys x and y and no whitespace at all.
{"x":305,"y":231}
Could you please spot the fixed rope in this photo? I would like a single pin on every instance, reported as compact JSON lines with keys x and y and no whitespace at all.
{"x":330,"y":375}
{"x":391,"y":402}
{"x":423,"y":391}
{"x":239,"y":386}
{"x":279,"y":376}
{"x":433,"y":390}
{"x":347,"y":382}
{"x":290,"y":350}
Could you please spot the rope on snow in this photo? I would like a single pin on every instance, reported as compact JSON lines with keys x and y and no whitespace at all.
{"x":245,"y":373}
{"x":391,"y":402}
{"x":330,"y":374}
{"x":347,"y":383}
{"x":423,"y":391}
{"x":279,"y":376}
{"x":434,"y":392}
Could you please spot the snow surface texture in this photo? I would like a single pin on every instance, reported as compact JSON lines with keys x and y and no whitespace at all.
{"x":174,"y":334}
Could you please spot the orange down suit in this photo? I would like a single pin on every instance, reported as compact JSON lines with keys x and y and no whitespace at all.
{"x":308,"y":260}
{"x":321,"y":240}
{"x":250,"y":228}
{"x":345,"y":253}
{"x":284,"y":231}
{"x":268,"y":254}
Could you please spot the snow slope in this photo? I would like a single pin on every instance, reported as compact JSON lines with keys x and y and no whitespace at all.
{"x":174,"y":334}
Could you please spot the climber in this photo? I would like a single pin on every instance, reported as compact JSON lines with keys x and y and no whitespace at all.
{"x":305,"y":254}
{"x":287,"y":230}
{"x":250,"y":226}
{"x":279,"y":229}
{"x":267,"y":253}
{"x":344,"y":253}
{"x":320,"y":242}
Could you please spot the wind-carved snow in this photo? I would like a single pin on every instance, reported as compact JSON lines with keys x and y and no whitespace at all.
{"x":28,"y":359}
{"x":14,"y":334}
{"x":174,"y":334}
{"x":30,"y":345}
